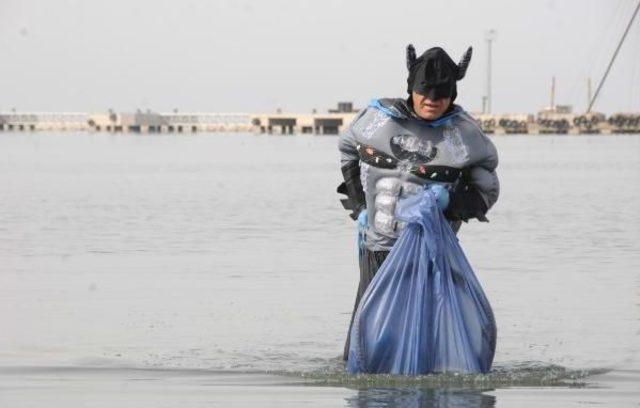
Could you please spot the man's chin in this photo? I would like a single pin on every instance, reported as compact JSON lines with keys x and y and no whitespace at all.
{"x":429,"y":115}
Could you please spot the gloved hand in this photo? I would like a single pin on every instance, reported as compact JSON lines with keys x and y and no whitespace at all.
{"x":362,"y":228}
{"x":442,"y":195}
{"x":466,"y":203}
{"x":362,"y":219}
{"x":352,"y":188}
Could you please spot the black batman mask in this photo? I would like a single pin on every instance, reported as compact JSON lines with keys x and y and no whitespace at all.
{"x":434,"y":74}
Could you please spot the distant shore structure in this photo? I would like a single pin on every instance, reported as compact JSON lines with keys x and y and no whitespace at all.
{"x":330,"y":123}
{"x":556,"y":119}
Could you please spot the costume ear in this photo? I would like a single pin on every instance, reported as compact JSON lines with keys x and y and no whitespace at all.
{"x":411,"y":56}
{"x":464,"y":63}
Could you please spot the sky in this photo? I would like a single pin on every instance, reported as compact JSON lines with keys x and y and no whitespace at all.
{"x":299,"y":55}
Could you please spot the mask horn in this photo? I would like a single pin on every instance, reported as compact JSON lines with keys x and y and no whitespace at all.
{"x":464,"y":63}
{"x":411,"y":56}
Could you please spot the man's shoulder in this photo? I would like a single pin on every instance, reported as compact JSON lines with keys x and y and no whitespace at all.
{"x":468,"y":123}
{"x":378,"y":113}
{"x":474,"y":134}
{"x":393,"y":107}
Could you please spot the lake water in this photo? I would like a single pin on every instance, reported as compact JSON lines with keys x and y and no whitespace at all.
{"x":220,"y":269}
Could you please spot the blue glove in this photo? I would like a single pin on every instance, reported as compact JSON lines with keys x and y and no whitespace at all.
{"x":362,"y":228}
{"x":362,"y":219}
{"x":442,"y":195}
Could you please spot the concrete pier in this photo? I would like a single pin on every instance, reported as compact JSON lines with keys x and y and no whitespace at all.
{"x":173,"y":122}
{"x":32,"y":121}
{"x":138,"y":122}
{"x":316,"y":123}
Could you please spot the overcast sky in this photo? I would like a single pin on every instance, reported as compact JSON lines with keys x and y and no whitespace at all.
{"x":251,"y":56}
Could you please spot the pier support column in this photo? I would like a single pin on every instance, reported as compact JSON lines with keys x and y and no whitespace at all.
{"x":327,"y":126}
{"x":284,"y":125}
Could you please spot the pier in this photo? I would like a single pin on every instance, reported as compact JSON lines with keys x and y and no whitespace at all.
{"x":168,"y":122}
{"x":317,"y":124}
{"x":31,"y":121}
{"x":137,"y":122}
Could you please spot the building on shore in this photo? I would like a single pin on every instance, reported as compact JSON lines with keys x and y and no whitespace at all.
{"x":330,"y":123}
{"x":173,"y":122}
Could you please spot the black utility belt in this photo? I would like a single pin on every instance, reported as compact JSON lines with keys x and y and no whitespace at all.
{"x":376,"y":158}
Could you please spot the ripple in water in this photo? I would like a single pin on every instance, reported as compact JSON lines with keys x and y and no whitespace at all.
{"x":515,"y":374}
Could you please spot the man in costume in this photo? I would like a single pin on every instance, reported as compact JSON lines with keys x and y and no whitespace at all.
{"x":396,"y":147}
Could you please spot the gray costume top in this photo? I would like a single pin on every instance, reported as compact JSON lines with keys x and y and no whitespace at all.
{"x":399,"y":154}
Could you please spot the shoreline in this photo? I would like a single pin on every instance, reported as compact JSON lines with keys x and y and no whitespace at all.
{"x":550,"y":121}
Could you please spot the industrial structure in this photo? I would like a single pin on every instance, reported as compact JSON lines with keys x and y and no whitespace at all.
{"x":489,"y":37}
{"x":330,"y":123}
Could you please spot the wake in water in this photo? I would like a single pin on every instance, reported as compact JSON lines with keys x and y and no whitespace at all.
{"x":514,"y":374}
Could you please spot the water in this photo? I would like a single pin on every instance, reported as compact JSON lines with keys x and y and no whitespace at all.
{"x":230,"y":253}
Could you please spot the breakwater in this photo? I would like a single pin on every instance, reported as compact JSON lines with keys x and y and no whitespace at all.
{"x":333,"y":122}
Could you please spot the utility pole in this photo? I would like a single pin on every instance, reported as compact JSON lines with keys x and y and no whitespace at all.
{"x":489,"y":37}
{"x":552,"y":105}
{"x":589,"y":93}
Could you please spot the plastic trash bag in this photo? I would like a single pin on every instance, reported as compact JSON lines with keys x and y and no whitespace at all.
{"x":424,"y":311}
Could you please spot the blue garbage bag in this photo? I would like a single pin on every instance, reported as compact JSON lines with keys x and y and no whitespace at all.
{"x":424,"y":311}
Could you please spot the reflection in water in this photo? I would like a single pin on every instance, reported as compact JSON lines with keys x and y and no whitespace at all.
{"x":414,"y":397}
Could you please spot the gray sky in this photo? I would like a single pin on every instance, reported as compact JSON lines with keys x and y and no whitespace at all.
{"x":251,"y":56}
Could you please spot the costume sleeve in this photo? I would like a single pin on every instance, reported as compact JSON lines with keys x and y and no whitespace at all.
{"x":350,"y":166}
{"x":478,"y":188}
{"x":347,"y":143}
{"x":483,"y":174}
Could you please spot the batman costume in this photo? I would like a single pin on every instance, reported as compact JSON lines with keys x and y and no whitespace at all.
{"x":389,"y":152}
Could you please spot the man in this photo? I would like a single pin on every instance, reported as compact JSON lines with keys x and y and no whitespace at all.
{"x":396,"y":147}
